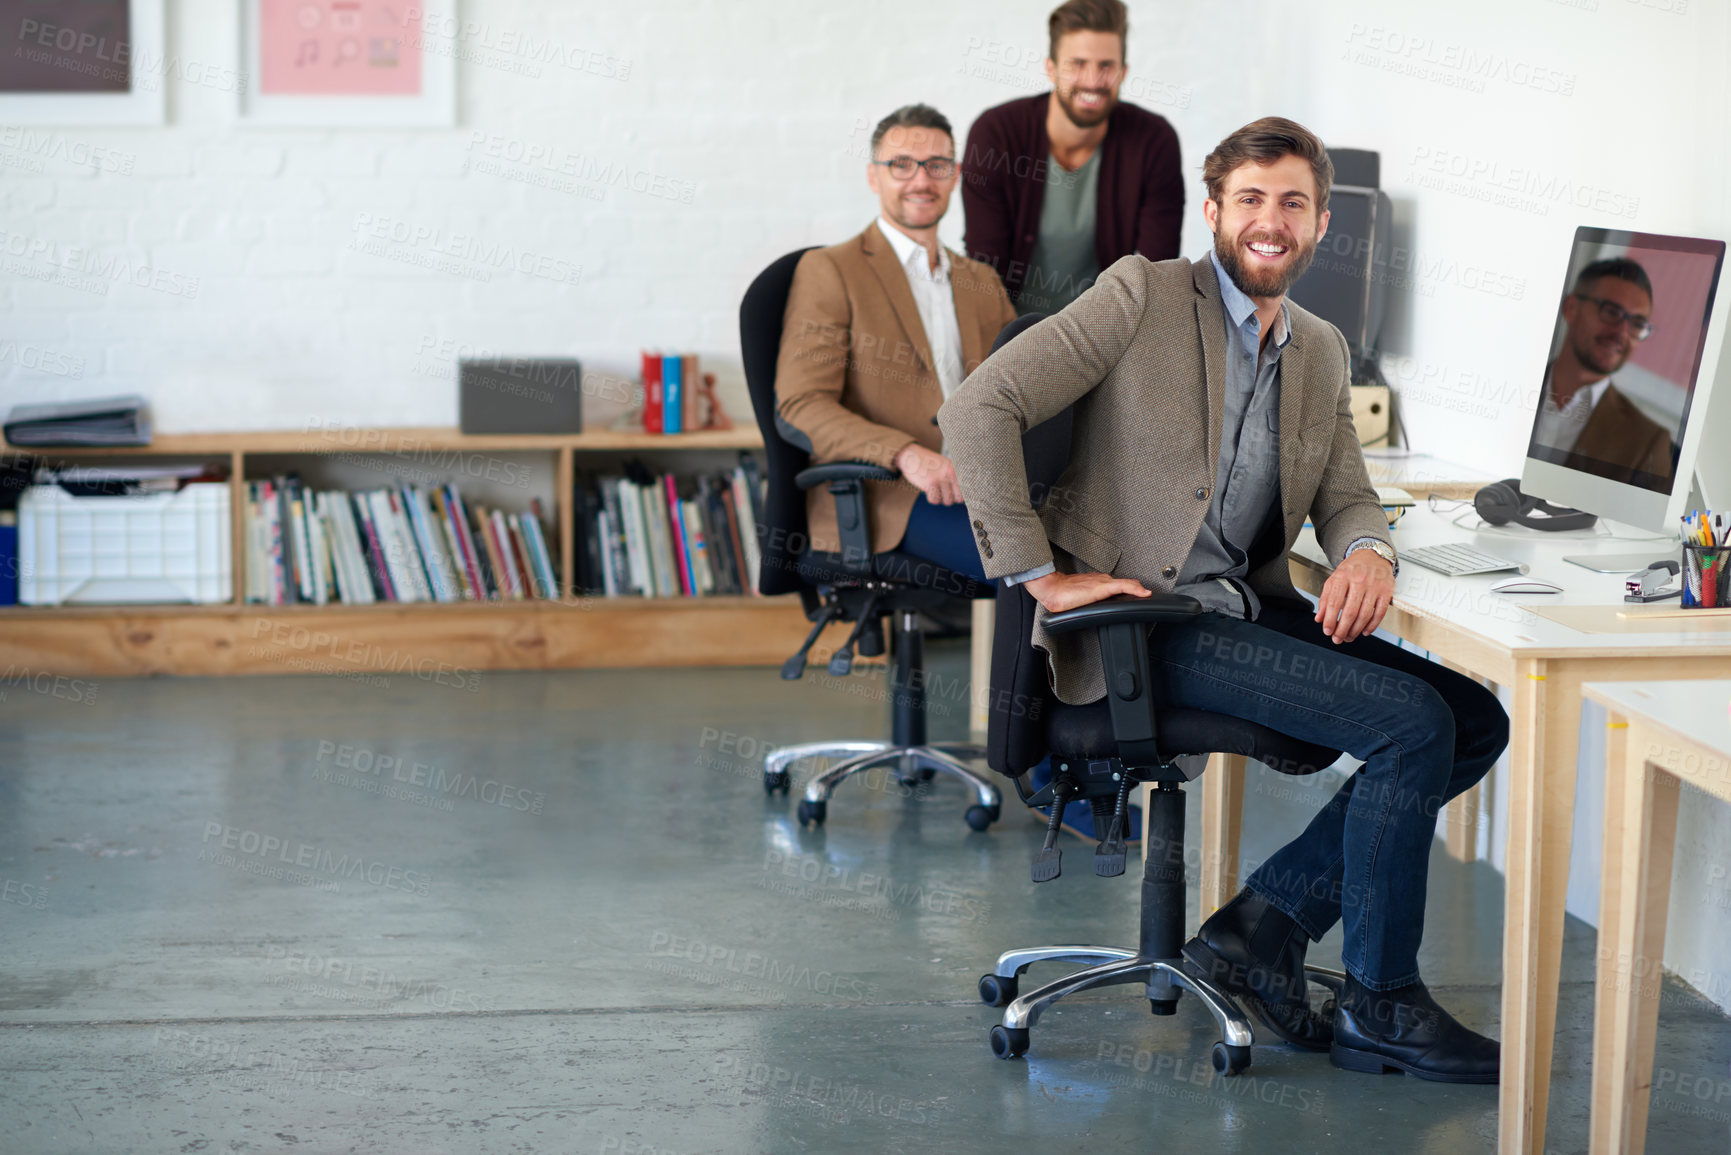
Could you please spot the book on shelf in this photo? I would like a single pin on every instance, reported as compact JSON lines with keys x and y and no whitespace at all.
{"x":660,"y":535}
{"x":405,"y":543}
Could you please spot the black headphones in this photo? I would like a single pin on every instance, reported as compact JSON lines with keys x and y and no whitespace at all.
{"x":1501,"y":502}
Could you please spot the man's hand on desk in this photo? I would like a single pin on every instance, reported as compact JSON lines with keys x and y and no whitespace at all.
{"x":1058,"y":592}
{"x":932,"y":474}
{"x":1356,"y":596}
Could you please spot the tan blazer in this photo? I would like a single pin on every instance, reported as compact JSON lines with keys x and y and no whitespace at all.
{"x":1142,"y":355}
{"x":855,"y":373}
{"x":1620,"y":434}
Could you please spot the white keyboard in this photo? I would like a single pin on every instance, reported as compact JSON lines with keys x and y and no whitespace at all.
{"x":1456,"y":560}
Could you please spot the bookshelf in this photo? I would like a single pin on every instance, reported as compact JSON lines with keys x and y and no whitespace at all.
{"x":427,"y":640}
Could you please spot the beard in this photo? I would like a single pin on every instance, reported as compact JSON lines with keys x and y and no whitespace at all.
{"x":1264,"y":283}
{"x":1086,"y":119}
{"x":1588,"y":353}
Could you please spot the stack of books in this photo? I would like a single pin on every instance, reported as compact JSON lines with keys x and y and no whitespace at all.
{"x":403,"y":544}
{"x":674,"y":398}
{"x":640,"y":535}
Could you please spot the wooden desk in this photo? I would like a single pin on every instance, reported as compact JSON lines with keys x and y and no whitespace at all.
{"x":1662,"y":734}
{"x":1422,"y":475}
{"x":1544,"y":663}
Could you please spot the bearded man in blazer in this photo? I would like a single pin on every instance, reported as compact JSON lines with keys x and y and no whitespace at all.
{"x":879,"y":330}
{"x":1211,"y":418}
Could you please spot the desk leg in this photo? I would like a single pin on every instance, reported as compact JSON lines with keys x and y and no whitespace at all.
{"x":1611,"y":910}
{"x":980,"y":664}
{"x":1630,"y":965}
{"x":1222,"y":822}
{"x":1461,"y":825}
{"x":1546,"y":723}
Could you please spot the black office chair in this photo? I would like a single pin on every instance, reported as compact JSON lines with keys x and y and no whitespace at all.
{"x":855,"y":585}
{"x":1098,"y":752}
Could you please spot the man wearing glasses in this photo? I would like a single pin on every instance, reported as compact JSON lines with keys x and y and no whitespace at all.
{"x":1059,"y":185}
{"x":1582,"y":412}
{"x":879,"y":330}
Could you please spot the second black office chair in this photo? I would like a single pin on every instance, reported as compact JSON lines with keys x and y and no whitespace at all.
{"x":1100,"y":752}
{"x":855,"y":585}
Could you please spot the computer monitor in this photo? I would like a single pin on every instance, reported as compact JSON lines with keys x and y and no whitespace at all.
{"x":1626,"y":425}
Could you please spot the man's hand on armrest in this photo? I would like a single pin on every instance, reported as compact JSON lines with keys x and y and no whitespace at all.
{"x":932,"y":474}
{"x":1058,"y":592}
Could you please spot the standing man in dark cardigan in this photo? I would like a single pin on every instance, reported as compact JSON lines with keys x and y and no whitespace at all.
{"x":1057,"y":187}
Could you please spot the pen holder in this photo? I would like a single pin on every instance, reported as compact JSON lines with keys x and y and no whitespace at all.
{"x":1706,"y":577}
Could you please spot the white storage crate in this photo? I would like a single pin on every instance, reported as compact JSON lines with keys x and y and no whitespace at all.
{"x":158,"y":547}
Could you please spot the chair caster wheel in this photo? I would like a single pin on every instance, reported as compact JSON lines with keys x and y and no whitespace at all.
{"x":980,"y":817}
{"x":1230,"y":1060}
{"x":1163,"y":1006}
{"x":1009,"y":1042}
{"x":812,"y":813}
{"x":776,"y":782}
{"x":997,"y":991}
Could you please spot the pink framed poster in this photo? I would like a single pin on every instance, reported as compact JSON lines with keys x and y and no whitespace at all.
{"x":347,"y":62}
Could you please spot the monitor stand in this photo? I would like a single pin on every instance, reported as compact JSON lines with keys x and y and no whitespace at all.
{"x":1620,"y":562}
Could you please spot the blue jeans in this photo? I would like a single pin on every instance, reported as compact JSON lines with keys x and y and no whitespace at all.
{"x":942,"y":534}
{"x":1424,"y":732}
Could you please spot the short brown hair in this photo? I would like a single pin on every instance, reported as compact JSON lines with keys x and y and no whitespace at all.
{"x":1264,"y":142}
{"x":912,"y":116}
{"x":1088,"y":16}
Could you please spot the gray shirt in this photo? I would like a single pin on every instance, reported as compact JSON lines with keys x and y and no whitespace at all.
{"x":1247,"y":485}
{"x":1063,"y":263}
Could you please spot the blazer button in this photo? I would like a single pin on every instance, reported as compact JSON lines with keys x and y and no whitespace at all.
{"x":1169,"y":572}
{"x":978,"y":524}
{"x":1201,"y":495}
{"x":988,"y":551}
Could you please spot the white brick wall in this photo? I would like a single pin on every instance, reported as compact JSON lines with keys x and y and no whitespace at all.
{"x":739,"y":123}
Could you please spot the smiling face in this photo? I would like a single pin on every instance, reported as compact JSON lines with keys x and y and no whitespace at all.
{"x":1266,"y":225}
{"x":1600,"y":346}
{"x":918,"y":202}
{"x":1085,"y":75}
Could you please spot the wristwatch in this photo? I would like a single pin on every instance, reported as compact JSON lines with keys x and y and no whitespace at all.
{"x":1383,"y":550}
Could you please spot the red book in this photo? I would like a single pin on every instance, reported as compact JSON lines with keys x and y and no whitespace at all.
{"x":652,"y":393}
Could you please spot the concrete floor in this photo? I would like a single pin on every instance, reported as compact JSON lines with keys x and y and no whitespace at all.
{"x":555,"y":913}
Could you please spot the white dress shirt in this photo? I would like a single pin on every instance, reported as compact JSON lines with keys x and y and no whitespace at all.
{"x":1560,"y":428}
{"x":935,"y":301}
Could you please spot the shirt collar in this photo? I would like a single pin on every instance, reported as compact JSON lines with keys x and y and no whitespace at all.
{"x":1587,"y":396}
{"x":1239,"y":306}
{"x":912,"y":255}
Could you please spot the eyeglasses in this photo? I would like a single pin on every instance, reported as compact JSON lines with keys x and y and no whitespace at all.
{"x":904,"y":167}
{"x":1614,"y":314}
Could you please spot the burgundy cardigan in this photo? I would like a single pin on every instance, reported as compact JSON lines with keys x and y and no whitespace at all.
{"x":1141,"y":205}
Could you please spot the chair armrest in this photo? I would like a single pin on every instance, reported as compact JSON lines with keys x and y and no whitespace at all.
{"x":846,"y":481}
{"x":1124,"y":609}
{"x":817,"y":475}
{"x":1123,"y":623}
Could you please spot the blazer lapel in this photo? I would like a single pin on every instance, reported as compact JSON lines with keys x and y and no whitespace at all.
{"x":894,"y":279}
{"x":1211,"y":324}
{"x":1294,"y":373}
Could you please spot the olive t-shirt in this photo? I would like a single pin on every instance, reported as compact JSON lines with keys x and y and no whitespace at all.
{"x":1063,"y":265}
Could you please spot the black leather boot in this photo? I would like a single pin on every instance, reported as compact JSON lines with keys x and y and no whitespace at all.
{"x":1405,"y":1030}
{"x":1256,"y":953}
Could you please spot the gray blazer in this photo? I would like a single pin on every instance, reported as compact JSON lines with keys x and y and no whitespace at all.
{"x":1142,"y":356}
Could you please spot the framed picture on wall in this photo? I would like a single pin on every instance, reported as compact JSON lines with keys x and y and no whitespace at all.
{"x":348,"y":63}
{"x":95,"y":62}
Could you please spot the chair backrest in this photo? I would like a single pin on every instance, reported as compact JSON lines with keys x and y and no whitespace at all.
{"x":782,"y":536}
{"x":1021,"y":695}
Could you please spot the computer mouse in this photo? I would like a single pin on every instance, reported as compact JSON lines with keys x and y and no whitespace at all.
{"x":1526,"y":585}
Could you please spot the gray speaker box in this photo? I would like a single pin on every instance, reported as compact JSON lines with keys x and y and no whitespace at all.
{"x":520,"y":395}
